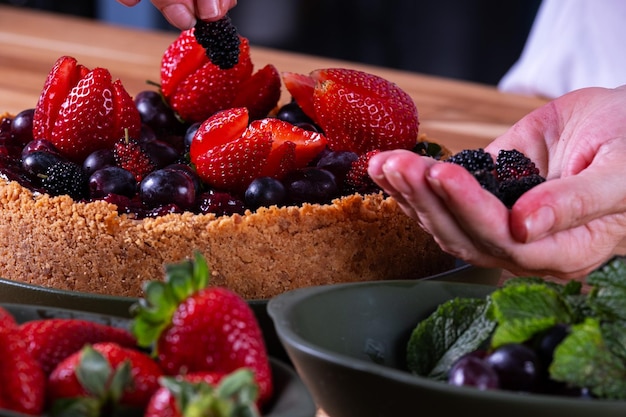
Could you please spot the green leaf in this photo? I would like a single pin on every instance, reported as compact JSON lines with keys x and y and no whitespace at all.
{"x":585,"y":359}
{"x":524,"y":310}
{"x":93,"y":372}
{"x":457,"y":327}
{"x":608,"y":296}
{"x":153,"y":313}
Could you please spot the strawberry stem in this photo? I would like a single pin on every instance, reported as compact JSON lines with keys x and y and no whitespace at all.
{"x":153,"y":313}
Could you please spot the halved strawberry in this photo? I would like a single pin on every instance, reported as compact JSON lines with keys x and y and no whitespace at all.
{"x":357,"y":111}
{"x":223,"y":127}
{"x":233,"y":165}
{"x":73,"y":95}
{"x":308,"y":143}
{"x":193,"y":86}
{"x":301,"y":87}
{"x":259,"y":93}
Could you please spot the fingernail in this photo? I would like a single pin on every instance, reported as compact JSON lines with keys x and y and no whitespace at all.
{"x":435,"y":182}
{"x":395,"y":177}
{"x":539,"y":223}
{"x":180,"y":16}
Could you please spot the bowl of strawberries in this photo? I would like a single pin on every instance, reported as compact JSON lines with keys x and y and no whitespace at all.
{"x":188,"y":348}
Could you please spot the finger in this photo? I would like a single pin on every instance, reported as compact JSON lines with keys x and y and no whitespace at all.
{"x":573,"y":201}
{"x":482,"y":218}
{"x":180,"y":13}
{"x":210,"y":10}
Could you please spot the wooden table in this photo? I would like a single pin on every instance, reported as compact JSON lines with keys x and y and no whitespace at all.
{"x":458,"y":114}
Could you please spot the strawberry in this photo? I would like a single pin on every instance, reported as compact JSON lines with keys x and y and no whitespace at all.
{"x":215,"y":394}
{"x":193,"y":86}
{"x":80,"y":111}
{"x":259,"y":93}
{"x":23,"y":381}
{"x":130,"y":155}
{"x":50,"y":341}
{"x":357,"y":178}
{"x":104,"y":376}
{"x":195,"y":327}
{"x":357,"y":111}
{"x":228,"y":153}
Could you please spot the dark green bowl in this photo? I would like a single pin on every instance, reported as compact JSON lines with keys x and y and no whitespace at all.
{"x":348,"y":342}
{"x":291,"y":398}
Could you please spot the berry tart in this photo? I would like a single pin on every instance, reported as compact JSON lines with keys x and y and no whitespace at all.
{"x":98,"y":190}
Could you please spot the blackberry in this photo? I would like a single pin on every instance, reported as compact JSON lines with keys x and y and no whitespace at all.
{"x":510,"y":190}
{"x":221,"y":41}
{"x":513,"y":164}
{"x":65,"y":177}
{"x":488,"y":181}
{"x":473,"y":160}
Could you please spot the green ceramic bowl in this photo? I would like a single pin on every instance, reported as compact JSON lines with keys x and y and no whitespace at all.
{"x":348,"y":342}
{"x":291,"y":399}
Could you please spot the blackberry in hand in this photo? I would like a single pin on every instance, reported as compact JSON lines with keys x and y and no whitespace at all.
{"x":221,"y":41}
{"x":473,"y":160}
{"x":513,"y":164}
{"x":509,"y":191}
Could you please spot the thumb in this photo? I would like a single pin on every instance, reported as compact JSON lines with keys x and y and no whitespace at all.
{"x":568,"y":202}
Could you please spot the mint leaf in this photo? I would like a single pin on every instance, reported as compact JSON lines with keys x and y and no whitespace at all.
{"x":584,"y":359}
{"x":457,"y":327}
{"x":524,"y":309}
{"x":607,"y":298}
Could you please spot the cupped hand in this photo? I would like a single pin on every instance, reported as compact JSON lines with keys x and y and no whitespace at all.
{"x":564,"y":227}
{"x":183,"y":13}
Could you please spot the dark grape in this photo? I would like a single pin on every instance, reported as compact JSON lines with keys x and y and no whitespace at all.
{"x":547,"y":341}
{"x":190,"y":172}
{"x":112,"y":180}
{"x":220,"y":203}
{"x":312,"y":185}
{"x":338,"y":163}
{"x":160,"y":153}
{"x":163,"y":187}
{"x":265,"y":191}
{"x":36,"y":163}
{"x":39,"y":145}
{"x":99,"y":159}
{"x":517,"y":366}
{"x":22,"y":126}
{"x":189,"y":134}
{"x":156,"y":113}
{"x":292,"y":113}
{"x":471,"y":370}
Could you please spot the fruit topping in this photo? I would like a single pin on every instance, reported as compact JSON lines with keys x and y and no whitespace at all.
{"x":357,"y":177}
{"x":510,"y":176}
{"x":65,"y":177}
{"x":221,"y":41}
{"x":357,"y":111}
{"x":80,"y":111}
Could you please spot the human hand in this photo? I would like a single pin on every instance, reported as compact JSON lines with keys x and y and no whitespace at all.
{"x":183,"y":13}
{"x":564,"y":227}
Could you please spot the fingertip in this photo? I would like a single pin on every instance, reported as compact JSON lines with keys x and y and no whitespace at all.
{"x":179,"y":15}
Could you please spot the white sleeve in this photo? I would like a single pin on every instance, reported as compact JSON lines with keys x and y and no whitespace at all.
{"x":572,"y":44}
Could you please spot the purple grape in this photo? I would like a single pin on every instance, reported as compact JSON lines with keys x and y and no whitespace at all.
{"x":38,"y":162}
{"x":39,"y":145}
{"x":517,"y":366}
{"x":471,"y":370}
{"x":265,"y":191}
{"x":156,"y":113}
{"x":310,"y":185}
{"x":160,"y":152}
{"x":339,"y":163}
{"x":220,"y":203}
{"x":189,"y":134}
{"x":167,"y":186}
{"x":190,"y":172}
{"x":293,"y":113}
{"x":22,"y":126}
{"x":99,"y":159}
{"x":112,"y":180}
{"x":547,"y":341}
